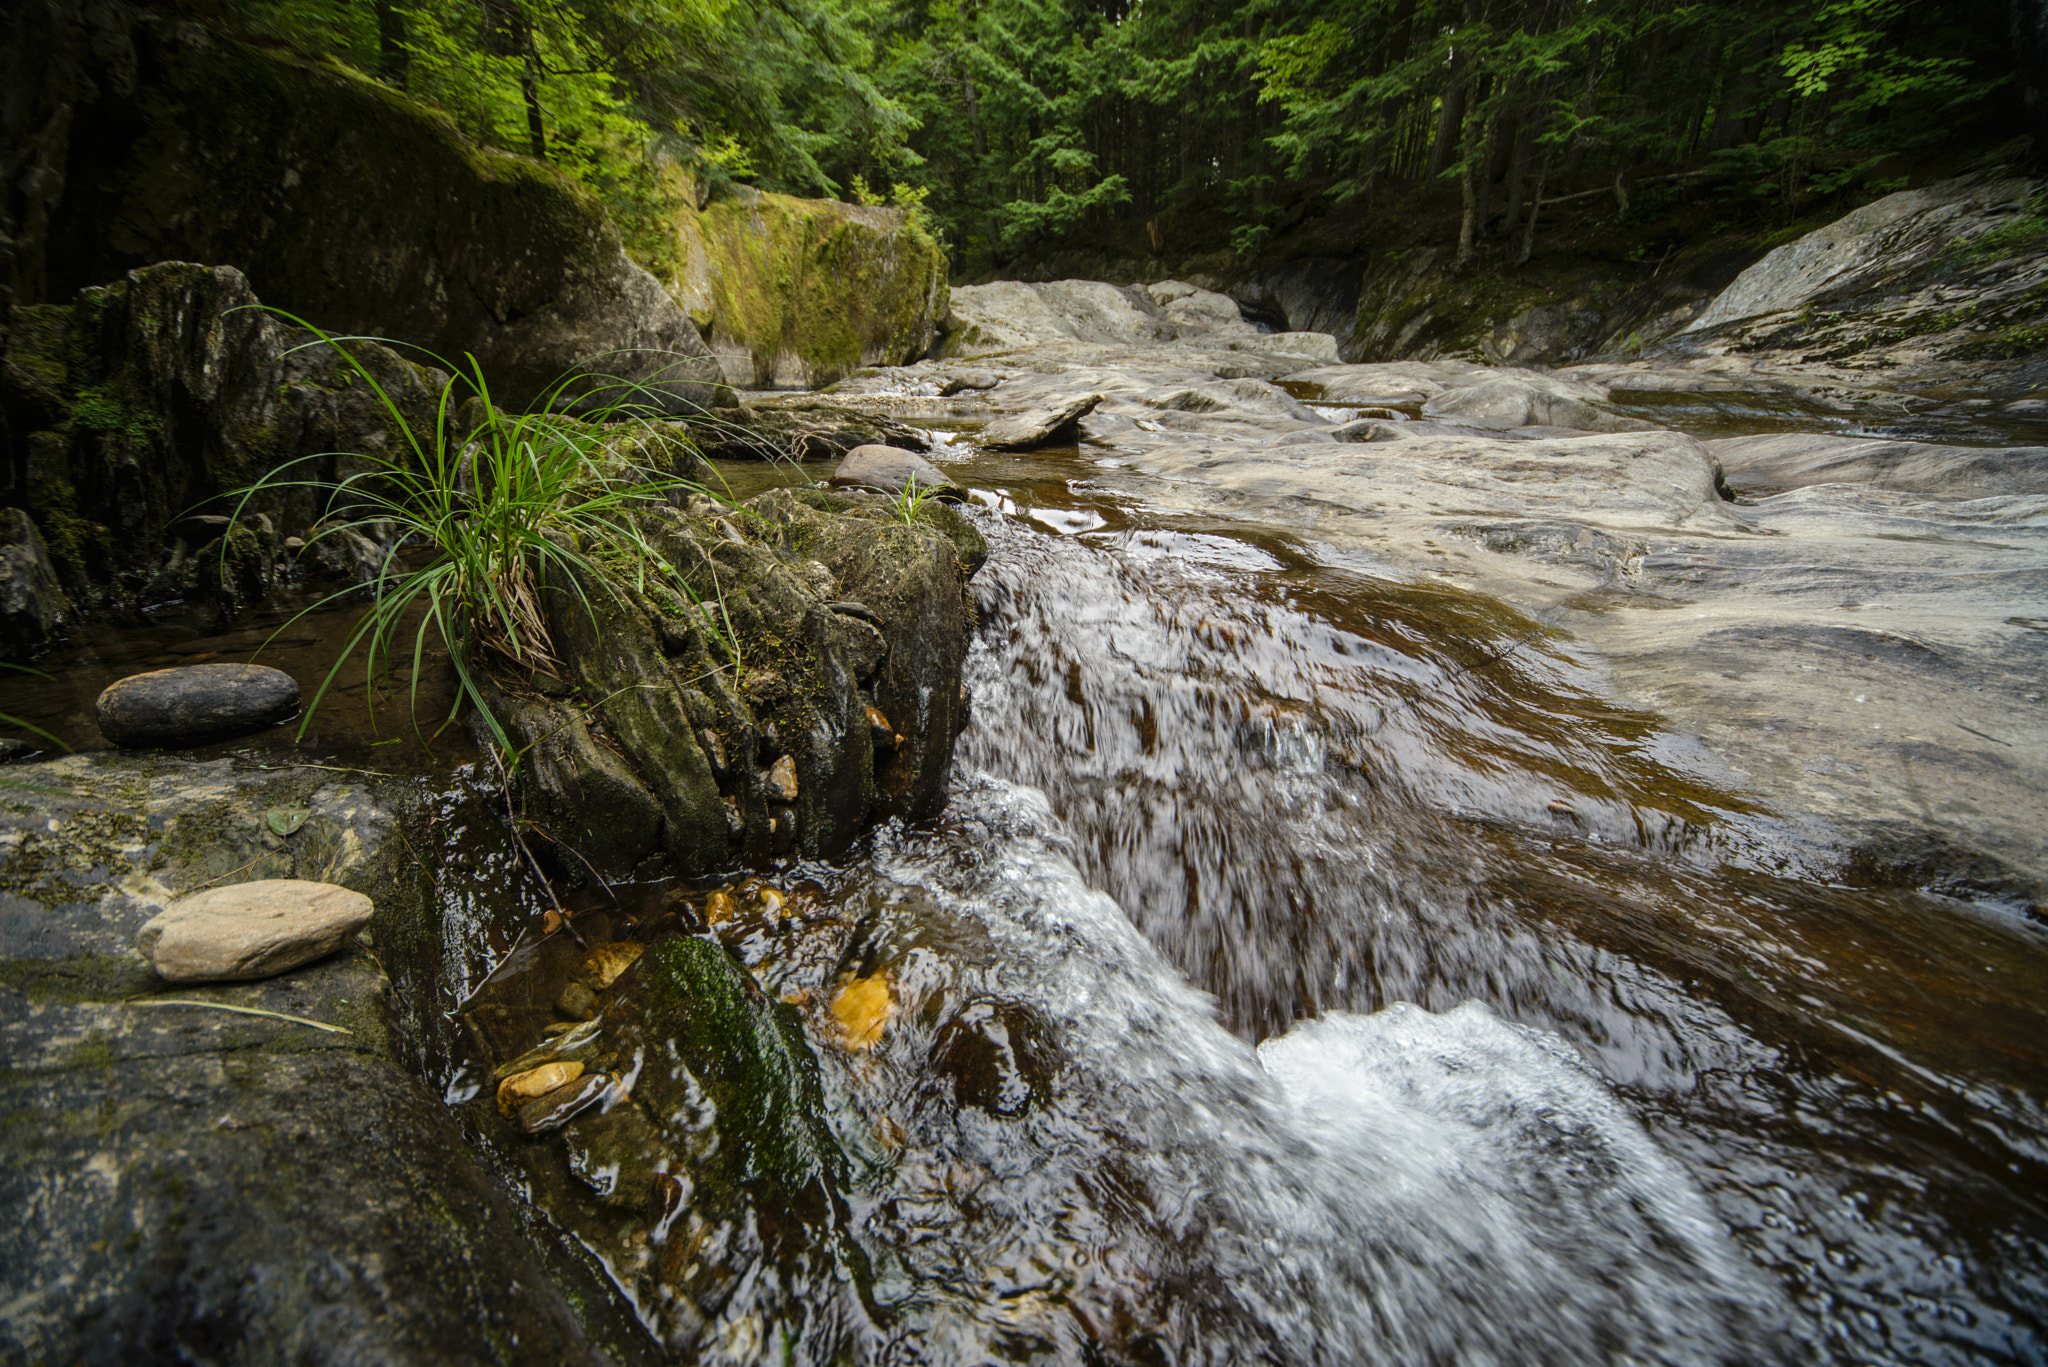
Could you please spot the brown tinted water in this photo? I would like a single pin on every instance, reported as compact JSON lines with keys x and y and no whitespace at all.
{"x":1226,"y":787}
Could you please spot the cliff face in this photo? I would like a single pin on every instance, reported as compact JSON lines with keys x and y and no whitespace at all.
{"x":805,"y":291}
{"x":129,"y":139}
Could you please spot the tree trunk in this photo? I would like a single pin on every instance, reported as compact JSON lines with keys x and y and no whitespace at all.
{"x":1468,"y":190}
{"x":1728,"y":120}
{"x":1518,"y":174}
{"x":393,"y":57}
{"x":529,"y":89}
{"x":1450,"y":120}
{"x":1535,"y":208}
{"x":2030,"y":56}
{"x":1482,"y":193}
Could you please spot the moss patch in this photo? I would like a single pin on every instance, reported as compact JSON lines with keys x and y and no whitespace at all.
{"x":814,"y":289}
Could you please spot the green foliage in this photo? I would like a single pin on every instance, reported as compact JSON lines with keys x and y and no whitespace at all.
{"x":1025,"y":125}
{"x":100,"y":411}
{"x":502,"y":509}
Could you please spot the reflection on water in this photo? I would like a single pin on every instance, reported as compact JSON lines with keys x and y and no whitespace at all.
{"x":396,"y":726}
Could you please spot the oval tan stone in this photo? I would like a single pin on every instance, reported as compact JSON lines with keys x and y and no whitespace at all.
{"x":521,"y":1088}
{"x":251,"y":930}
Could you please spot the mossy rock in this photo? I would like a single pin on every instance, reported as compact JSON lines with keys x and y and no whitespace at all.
{"x":805,"y":291}
{"x":344,"y":202}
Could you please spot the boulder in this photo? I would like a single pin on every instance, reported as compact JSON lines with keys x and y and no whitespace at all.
{"x":1368,"y":429}
{"x":342,"y":200}
{"x":1199,"y":313}
{"x":1882,"y":239}
{"x":800,"y":292}
{"x":964,"y":381}
{"x":244,"y":1174}
{"x":1509,"y":402}
{"x":192,"y":703}
{"x":1007,"y":314}
{"x":149,"y":401}
{"x":892,"y":471}
{"x":251,"y":930}
{"x":833,"y":605}
{"x":1039,"y":426}
{"x":32,"y":603}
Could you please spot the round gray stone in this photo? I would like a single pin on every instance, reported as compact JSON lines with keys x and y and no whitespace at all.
{"x":193,"y":703}
{"x":890,"y":469}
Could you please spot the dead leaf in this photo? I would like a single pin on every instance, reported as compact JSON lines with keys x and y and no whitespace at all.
{"x":862,"y":1008}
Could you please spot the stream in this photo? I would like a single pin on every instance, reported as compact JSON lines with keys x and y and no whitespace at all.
{"x":1312,"y":965}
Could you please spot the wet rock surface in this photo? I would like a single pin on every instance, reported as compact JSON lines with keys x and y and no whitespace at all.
{"x":192,"y":703}
{"x":166,"y":391}
{"x":1849,"y":621}
{"x":32,"y":602}
{"x":193,"y":1182}
{"x":1039,"y":426}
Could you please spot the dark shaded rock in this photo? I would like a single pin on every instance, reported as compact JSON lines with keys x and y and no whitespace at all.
{"x":1039,"y":427}
{"x":999,"y":1056}
{"x":32,"y":602}
{"x":892,"y":471}
{"x":721,"y":1146}
{"x":1309,"y":294}
{"x":580,"y":792}
{"x":191,"y":703}
{"x":345,"y":202}
{"x":1368,"y":429}
{"x":136,"y":404}
{"x":1898,"y":855}
{"x":248,"y":1189}
{"x":734,"y":700}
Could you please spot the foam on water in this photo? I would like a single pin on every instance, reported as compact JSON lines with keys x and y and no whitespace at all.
{"x":1400,"y":1187}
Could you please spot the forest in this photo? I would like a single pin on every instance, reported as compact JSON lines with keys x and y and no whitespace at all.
{"x":1166,"y":127}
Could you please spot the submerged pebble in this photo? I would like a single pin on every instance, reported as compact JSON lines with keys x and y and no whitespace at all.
{"x":574,"y":1040}
{"x":519,"y":1089}
{"x":603,"y":965}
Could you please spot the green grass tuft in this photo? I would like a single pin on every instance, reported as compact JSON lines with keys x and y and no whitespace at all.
{"x":503,"y":510}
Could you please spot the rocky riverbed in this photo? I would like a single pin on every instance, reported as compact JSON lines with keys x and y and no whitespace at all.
{"x":1851,"y":623}
{"x":1442,"y":861}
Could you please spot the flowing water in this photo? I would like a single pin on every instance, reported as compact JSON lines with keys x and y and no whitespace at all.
{"x":1316,"y":967}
